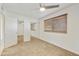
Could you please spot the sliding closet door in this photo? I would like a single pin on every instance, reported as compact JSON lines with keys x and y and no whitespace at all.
{"x":10,"y":31}
{"x":26,"y":29}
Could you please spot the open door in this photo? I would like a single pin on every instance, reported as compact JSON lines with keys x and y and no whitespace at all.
{"x":27,"y":29}
{"x":10,"y":31}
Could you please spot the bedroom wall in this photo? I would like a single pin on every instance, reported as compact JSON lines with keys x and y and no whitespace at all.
{"x":12,"y":39}
{"x":69,"y":41}
{"x":16,"y":17}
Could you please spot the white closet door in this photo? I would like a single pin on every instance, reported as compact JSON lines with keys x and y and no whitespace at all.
{"x":26,"y":29}
{"x":1,"y":33}
{"x":10,"y":31}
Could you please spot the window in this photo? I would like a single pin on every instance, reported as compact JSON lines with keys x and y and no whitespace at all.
{"x":56,"y":24}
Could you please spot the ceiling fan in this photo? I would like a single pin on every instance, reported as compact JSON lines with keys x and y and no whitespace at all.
{"x":43,"y":7}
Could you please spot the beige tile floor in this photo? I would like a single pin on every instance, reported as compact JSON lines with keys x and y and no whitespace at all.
{"x":36,"y":47}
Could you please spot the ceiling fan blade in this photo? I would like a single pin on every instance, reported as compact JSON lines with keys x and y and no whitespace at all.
{"x":53,"y":6}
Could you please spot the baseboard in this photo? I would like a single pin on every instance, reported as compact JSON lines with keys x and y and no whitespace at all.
{"x":67,"y":49}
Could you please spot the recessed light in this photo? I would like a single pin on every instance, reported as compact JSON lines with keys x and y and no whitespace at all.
{"x":42,"y":9}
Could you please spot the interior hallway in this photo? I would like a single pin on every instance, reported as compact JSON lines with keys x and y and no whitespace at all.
{"x":36,"y":47}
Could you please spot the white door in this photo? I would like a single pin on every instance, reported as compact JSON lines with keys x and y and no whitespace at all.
{"x":26,"y":29}
{"x":10,"y":31}
{"x":1,"y":33}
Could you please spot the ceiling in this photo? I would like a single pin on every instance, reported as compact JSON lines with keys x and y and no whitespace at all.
{"x":31,"y":10}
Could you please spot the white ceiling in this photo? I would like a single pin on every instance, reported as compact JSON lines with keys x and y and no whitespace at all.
{"x":31,"y":10}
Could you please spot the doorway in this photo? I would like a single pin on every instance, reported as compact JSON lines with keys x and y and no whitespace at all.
{"x":20,"y":36}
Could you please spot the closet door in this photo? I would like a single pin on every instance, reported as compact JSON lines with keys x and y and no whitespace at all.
{"x":26,"y":29}
{"x":10,"y":31}
{"x":1,"y":33}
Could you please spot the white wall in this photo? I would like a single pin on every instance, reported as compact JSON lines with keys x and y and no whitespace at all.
{"x":69,"y":41}
{"x":20,"y":29}
{"x":10,"y":29}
